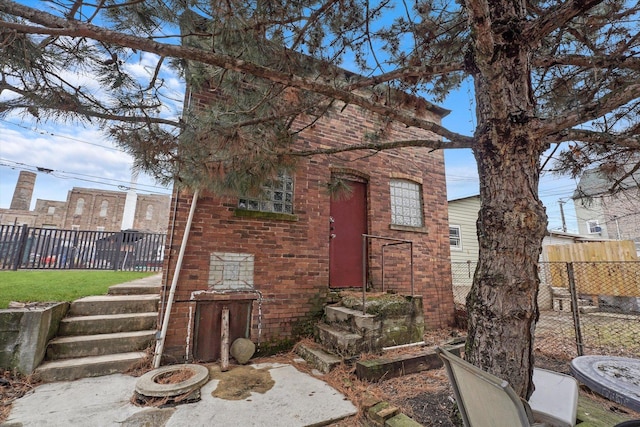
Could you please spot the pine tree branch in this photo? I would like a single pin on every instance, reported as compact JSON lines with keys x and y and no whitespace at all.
{"x":407,"y":72}
{"x":622,"y":95}
{"x":434,"y":144}
{"x":554,"y":18}
{"x":53,"y":25}
{"x":67,"y":105}
{"x":603,"y":138}
{"x":618,"y":62}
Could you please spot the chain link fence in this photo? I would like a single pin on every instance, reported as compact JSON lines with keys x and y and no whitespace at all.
{"x":585,"y":307}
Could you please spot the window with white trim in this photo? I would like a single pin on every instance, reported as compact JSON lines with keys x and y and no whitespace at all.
{"x":51,"y":210}
{"x":455,"y":237}
{"x":593,"y":226}
{"x":277,"y":196}
{"x":103,"y":208}
{"x":406,"y":203}
{"x":79,"y":206}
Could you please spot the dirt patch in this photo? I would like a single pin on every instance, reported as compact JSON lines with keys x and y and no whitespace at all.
{"x":240,"y":382}
{"x":12,"y":387}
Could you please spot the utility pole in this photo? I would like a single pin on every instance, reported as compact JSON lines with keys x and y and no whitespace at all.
{"x":564,"y":222}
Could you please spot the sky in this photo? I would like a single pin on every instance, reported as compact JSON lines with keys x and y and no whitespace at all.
{"x":79,"y":155}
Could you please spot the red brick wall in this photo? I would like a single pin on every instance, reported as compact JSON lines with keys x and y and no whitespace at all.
{"x":292,"y":257}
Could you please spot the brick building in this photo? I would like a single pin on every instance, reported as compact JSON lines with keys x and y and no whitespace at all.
{"x":278,"y":257}
{"x":85,"y":209}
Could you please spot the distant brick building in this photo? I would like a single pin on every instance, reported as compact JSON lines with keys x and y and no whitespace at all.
{"x":287,"y":250}
{"x":85,"y":209}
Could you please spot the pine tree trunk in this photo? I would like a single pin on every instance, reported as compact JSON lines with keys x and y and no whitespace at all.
{"x":512,"y":222}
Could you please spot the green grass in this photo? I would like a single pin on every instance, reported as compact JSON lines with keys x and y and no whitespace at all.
{"x":59,"y":285}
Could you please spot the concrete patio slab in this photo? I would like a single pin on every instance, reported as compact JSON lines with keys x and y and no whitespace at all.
{"x":296,"y":399}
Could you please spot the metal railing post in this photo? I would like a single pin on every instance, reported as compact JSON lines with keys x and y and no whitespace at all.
{"x":364,"y":274}
{"x":19,"y":253}
{"x":574,"y":309}
{"x":411,"y":260}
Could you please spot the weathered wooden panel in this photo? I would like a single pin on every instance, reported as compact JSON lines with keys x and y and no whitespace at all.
{"x":600,"y":268}
{"x":207,"y":342}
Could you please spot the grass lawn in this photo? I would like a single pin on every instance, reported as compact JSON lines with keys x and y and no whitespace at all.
{"x":59,"y":285}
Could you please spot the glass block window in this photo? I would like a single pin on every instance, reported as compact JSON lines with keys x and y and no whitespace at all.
{"x":455,"y":240}
{"x":277,"y":196}
{"x":406,"y":203}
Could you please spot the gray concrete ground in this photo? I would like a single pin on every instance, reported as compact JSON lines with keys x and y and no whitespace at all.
{"x":296,"y":399}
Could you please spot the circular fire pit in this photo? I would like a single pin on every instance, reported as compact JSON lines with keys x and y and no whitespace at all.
{"x":171,"y":381}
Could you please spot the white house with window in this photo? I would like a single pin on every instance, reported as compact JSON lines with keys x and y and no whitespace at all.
{"x":602,"y":214}
{"x":463,"y":243}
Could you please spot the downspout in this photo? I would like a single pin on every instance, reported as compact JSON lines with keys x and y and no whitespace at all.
{"x":174,"y":282}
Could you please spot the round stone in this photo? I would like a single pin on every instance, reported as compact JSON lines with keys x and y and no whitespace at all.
{"x":242,"y":350}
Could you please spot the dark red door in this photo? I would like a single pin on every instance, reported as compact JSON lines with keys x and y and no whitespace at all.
{"x":349,"y":216}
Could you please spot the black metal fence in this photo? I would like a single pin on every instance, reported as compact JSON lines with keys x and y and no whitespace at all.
{"x":585,"y":307}
{"x":23,"y":247}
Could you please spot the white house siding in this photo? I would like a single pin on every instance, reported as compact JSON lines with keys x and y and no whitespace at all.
{"x":464,"y":213}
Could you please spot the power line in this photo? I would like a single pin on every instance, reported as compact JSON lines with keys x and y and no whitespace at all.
{"x":70,"y":175}
{"x":42,"y":132}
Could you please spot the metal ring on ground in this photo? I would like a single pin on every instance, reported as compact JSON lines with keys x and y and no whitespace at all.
{"x":147,"y":385}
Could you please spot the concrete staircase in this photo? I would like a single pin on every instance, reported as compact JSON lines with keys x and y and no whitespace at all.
{"x":562,"y":301}
{"x":104,"y":334}
{"x":346,"y":331}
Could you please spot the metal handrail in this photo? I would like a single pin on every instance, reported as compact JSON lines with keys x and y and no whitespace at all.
{"x":364,"y":262}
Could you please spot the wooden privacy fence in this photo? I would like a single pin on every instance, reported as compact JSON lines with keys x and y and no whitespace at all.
{"x":23,"y":247}
{"x":599,"y":268}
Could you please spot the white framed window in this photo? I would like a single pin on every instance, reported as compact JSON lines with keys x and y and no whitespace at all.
{"x":277,"y":196}
{"x":406,"y":203}
{"x":455,"y":237}
{"x":103,"y":208}
{"x":149,"y":214}
{"x":51,"y":210}
{"x":79,"y":206}
{"x":593,"y":226}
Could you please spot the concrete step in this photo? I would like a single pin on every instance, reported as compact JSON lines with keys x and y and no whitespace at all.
{"x":318,"y":358}
{"x":107,"y":323}
{"x":339,"y":341}
{"x":349,"y":319}
{"x":135,"y":289}
{"x":114,"y":304}
{"x":72,"y":369}
{"x":99,"y":345}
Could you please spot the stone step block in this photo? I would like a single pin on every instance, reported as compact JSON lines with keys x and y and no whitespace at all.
{"x":350,"y":319}
{"x":107,"y":323}
{"x":114,"y":304}
{"x":135,"y":289}
{"x":98,"y":345}
{"x":339,"y":341}
{"x":318,"y":358}
{"x":72,"y":369}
